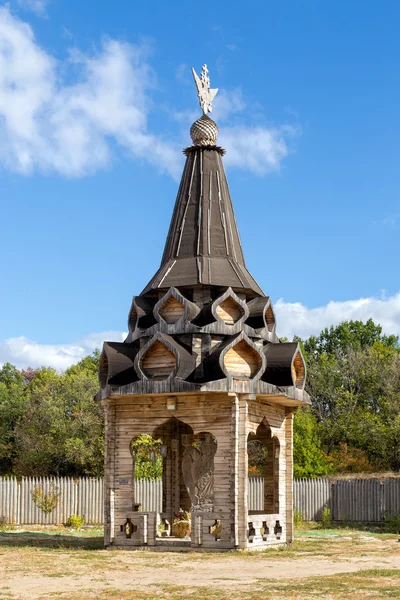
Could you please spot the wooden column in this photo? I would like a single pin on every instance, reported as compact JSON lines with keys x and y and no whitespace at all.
{"x":239,"y":469}
{"x":109,"y":462}
{"x":289,"y":475}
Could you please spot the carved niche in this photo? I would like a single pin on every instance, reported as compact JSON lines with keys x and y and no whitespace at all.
{"x":198,"y":471}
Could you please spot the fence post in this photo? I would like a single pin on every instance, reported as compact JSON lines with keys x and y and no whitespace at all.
{"x":333,"y":501}
{"x":382,"y":501}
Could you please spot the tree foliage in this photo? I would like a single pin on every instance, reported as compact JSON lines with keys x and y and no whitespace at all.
{"x":50,"y":423}
{"x":308,"y":456}
{"x":148,"y":462}
{"x":354,"y":383}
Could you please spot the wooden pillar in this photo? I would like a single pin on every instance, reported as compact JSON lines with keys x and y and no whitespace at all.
{"x":109,"y":462}
{"x":239,"y":470}
{"x":269,"y":477}
{"x":175,"y":472}
{"x":289,"y":475}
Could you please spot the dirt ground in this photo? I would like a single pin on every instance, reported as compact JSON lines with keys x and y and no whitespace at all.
{"x":351,"y":564}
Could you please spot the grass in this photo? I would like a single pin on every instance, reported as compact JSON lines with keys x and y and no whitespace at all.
{"x":373,"y":584}
{"x":74,"y":566}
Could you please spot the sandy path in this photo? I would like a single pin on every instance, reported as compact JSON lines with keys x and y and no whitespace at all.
{"x":226,"y":572}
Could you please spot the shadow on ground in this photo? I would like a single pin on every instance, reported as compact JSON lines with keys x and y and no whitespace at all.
{"x":56,"y":540}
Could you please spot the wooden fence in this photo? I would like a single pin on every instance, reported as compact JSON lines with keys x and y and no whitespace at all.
{"x":366,"y":500}
{"x":348,"y":500}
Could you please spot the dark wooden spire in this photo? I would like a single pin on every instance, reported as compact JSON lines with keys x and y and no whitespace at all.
{"x":203,"y":244}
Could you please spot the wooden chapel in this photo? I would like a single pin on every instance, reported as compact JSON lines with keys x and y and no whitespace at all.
{"x":203,"y":370}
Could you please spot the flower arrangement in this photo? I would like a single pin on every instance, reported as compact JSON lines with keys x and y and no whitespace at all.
{"x":182,"y":525}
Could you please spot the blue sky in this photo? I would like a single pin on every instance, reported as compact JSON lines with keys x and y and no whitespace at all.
{"x":96,"y":102}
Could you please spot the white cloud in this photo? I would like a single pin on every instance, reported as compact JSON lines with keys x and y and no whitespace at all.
{"x":292,"y":319}
{"x":256,"y":149}
{"x":36,"y":6}
{"x":24,"y":353}
{"x":227,"y":103}
{"x":391,"y":221}
{"x":49,"y":125}
{"x":297,"y":319}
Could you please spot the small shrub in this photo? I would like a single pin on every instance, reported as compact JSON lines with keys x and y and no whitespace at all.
{"x":76,"y":521}
{"x":326,"y":521}
{"x":392,"y":522}
{"x":46,"y":501}
{"x":297,"y":517}
{"x":5,"y":525}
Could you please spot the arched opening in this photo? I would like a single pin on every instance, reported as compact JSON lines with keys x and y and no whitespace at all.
{"x":175,"y":435}
{"x":270,"y":318}
{"x":229,"y":311}
{"x":298,"y":371}
{"x":263,"y":459}
{"x":172,"y":310}
{"x":242,"y":361}
{"x":158,"y":362}
{"x":147,"y":469}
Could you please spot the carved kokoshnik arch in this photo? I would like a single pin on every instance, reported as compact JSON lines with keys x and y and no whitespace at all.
{"x":163,"y":358}
{"x":242,"y":359}
{"x":174,"y":308}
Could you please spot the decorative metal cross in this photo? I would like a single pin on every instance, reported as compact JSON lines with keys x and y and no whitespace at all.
{"x":205,"y":94}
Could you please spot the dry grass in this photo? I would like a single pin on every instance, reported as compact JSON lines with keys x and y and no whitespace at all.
{"x":47,"y":565}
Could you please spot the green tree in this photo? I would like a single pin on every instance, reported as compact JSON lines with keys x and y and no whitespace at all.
{"x":354,"y":383}
{"x":12,"y":407}
{"x":61,"y":431}
{"x":148,"y":462}
{"x":355,"y":335}
{"x":308,"y":458}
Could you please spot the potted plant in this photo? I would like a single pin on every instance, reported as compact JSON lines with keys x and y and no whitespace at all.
{"x":182,"y":525}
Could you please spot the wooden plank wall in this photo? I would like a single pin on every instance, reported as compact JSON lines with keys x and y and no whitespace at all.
{"x":211,"y":413}
{"x":230,"y":418}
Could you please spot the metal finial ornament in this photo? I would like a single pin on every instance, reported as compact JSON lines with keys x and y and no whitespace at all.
{"x":205,"y":93}
{"x":204,"y":132}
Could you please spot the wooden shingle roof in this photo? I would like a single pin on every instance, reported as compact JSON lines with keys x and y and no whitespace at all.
{"x":203,"y":244}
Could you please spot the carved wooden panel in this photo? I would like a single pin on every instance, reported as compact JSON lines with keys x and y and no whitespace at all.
{"x":158,"y":362}
{"x":198,"y":472}
{"x":229,"y":311}
{"x":298,"y":371}
{"x":270,"y":318}
{"x":242,"y":360}
{"x":172,"y":310}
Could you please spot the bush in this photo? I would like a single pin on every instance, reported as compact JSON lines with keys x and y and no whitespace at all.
{"x":297,"y":517}
{"x":46,"y":501}
{"x":392,"y":522}
{"x":76,"y":521}
{"x":5,"y":524}
{"x":326,"y":518}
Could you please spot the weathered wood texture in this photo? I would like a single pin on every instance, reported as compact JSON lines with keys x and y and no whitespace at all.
{"x":299,"y":371}
{"x":229,"y":311}
{"x":230,"y":418}
{"x":242,"y":360}
{"x":158,"y":362}
{"x":172,"y":310}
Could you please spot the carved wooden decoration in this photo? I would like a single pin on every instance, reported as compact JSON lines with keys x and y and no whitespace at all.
{"x":242,"y":360}
{"x":158,"y":362}
{"x":229,"y":311}
{"x":298,"y":371}
{"x":198,"y":472}
{"x":172,"y":310}
{"x":270,"y":317}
